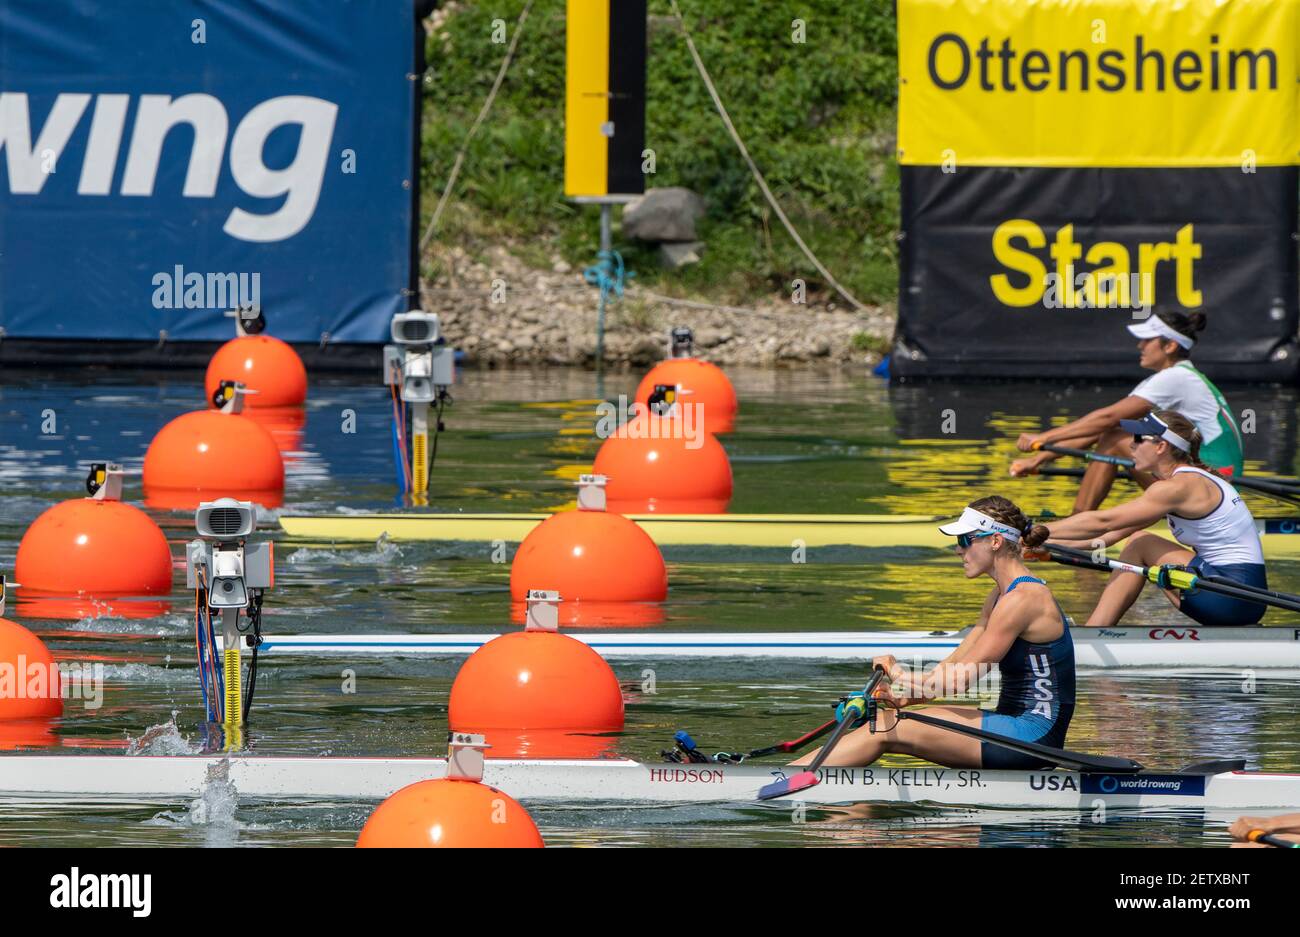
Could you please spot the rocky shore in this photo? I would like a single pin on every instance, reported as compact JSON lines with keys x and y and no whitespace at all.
{"x":500,"y":311}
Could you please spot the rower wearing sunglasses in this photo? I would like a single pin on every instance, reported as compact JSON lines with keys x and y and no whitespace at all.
{"x":1215,"y":531}
{"x":1021,"y":629}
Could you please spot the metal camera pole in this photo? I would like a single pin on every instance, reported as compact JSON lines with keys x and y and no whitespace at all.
{"x":424,"y":365}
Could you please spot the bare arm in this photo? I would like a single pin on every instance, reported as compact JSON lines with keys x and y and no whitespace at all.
{"x":989,"y":645}
{"x":1157,"y":501}
{"x":1098,"y":421}
{"x":976,"y":632}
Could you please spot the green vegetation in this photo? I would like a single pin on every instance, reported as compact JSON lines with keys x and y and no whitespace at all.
{"x":818,"y":118}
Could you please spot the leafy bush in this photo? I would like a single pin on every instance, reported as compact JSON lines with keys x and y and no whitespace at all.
{"x":817,"y":117}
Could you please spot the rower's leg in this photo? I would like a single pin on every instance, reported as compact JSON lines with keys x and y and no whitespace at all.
{"x":861,"y":747}
{"x":1097,"y":479}
{"x":1142,"y":549}
{"x":1099,"y":476}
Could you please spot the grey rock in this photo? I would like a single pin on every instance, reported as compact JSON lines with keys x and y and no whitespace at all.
{"x":667,"y":214}
{"x":677,"y":255}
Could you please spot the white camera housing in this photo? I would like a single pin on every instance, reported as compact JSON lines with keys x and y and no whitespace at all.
{"x":415,"y":328}
{"x":225,"y":520}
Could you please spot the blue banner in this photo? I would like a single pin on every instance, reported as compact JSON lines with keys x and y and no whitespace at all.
{"x":164,"y":161}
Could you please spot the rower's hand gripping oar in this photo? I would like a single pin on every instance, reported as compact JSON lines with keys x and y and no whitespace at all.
{"x":854,"y":709}
{"x":1175,"y":577}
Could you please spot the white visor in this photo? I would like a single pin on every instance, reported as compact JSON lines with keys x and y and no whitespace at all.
{"x":1156,"y":327}
{"x":973,"y":522}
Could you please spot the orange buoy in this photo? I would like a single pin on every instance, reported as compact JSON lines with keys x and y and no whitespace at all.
{"x":262,"y":363}
{"x":665,"y":465}
{"x":210,"y":453}
{"x":589,"y":556}
{"x":94,"y":546}
{"x":29,"y":678}
{"x":536,"y":680}
{"x":702,"y":385}
{"x":452,"y":812}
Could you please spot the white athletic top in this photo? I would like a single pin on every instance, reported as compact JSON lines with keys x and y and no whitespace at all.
{"x":1182,"y":389}
{"x":1227,"y":535}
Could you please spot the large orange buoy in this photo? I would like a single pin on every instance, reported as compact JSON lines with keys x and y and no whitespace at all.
{"x":533,"y":684}
{"x":213,"y":452}
{"x":665,"y":465}
{"x":29,"y":678}
{"x":591,"y":557}
{"x":452,"y":812}
{"x":701,"y":384}
{"x":94,"y":546}
{"x":261,"y":363}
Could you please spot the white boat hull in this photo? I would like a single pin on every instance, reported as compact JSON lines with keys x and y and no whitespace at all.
{"x":1182,"y":647}
{"x":154,"y":778}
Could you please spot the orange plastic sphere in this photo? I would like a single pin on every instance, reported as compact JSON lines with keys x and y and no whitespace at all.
{"x":704,"y":386}
{"x":98,"y":548}
{"x":535,"y":680}
{"x":262,"y":363}
{"x":654,"y":466}
{"x":590,"y":556}
{"x":209,"y":454}
{"x":29,"y":679}
{"x":450,"y":814}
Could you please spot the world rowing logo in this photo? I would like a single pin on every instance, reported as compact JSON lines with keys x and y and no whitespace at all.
{"x":1178,"y":634}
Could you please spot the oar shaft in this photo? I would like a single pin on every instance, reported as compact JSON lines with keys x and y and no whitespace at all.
{"x":1075,"y":761}
{"x":1179,"y":579}
{"x":1089,"y":455}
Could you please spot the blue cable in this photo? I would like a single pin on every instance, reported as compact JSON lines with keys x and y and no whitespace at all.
{"x":398,"y":459}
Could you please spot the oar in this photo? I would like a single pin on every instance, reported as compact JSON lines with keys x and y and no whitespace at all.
{"x":1270,"y":839}
{"x":1087,"y":454}
{"x":1171,"y":577}
{"x":1073,"y":472}
{"x":1278,"y":488}
{"x":1062,"y":758}
{"x":854,"y":709}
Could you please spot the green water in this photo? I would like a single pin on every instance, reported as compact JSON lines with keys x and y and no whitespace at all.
{"x":805,"y":442}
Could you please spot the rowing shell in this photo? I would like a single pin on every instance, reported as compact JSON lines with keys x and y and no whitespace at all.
{"x":1247,"y":647}
{"x":147,"y":778}
{"x":749,"y":530}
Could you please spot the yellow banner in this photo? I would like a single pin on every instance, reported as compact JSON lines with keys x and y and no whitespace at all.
{"x":1096,"y":83}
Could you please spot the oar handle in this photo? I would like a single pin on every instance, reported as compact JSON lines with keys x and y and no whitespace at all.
{"x":1269,"y":839}
{"x":1087,"y":454}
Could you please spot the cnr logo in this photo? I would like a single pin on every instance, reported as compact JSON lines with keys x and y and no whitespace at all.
{"x":1178,"y":634}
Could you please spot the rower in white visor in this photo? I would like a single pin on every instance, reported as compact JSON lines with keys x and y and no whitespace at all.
{"x":1213,"y":531}
{"x":1165,"y":342}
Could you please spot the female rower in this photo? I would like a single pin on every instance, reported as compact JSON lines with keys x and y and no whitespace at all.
{"x":1164,"y":340}
{"x":1021,"y":629}
{"x":1214,"y":530}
